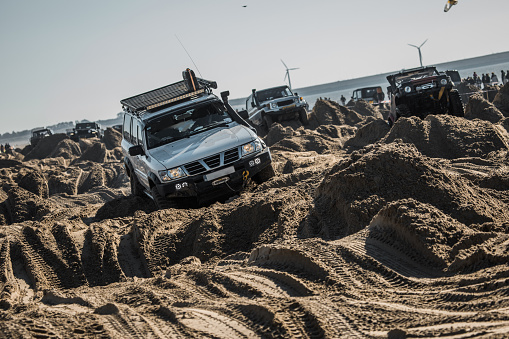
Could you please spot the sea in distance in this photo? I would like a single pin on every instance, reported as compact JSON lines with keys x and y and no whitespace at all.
{"x":333,"y":91}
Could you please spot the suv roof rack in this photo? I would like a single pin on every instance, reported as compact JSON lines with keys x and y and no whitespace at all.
{"x":189,"y":88}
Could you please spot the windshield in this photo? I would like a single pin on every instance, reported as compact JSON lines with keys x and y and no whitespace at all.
{"x":87,"y":125}
{"x":399,"y":79}
{"x":368,"y":93}
{"x":273,"y":93}
{"x":41,"y":133}
{"x":184,"y":123}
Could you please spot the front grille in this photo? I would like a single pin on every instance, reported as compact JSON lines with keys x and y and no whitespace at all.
{"x":285,"y":103}
{"x":194,"y":168}
{"x":212,"y":162}
{"x":231,"y":156}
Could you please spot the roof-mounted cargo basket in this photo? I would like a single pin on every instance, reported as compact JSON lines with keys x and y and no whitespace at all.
{"x":189,"y":88}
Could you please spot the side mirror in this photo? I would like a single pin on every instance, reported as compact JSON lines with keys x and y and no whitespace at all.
{"x":136,"y":150}
{"x":243,"y":114}
{"x":296,"y":94}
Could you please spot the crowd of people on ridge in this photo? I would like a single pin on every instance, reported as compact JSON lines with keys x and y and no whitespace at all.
{"x":485,"y":80}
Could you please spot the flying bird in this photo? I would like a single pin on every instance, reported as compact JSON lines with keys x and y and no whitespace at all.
{"x":449,"y":4}
{"x":244,"y":6}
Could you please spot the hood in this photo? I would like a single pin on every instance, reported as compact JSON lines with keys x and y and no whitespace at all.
{"x":288,"y":98}
{"x":202,"y":145}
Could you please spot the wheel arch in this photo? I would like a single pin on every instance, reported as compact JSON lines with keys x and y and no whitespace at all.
{"x":128,"y":166}
{"x":153,"y":180}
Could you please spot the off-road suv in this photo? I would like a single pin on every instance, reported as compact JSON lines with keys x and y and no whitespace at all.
{"x":86,"y":130}
{"x":276,"y":104}
{"x":373,"y":95}
{"x":422,"y":91}
{"x":181,"y":142}
{"x":38,"y":134}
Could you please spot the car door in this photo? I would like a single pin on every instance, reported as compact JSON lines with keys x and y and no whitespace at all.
{"x":141,"y":162}
{"x":253,"y":110}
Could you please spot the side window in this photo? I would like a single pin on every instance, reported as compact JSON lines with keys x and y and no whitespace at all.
{"x":131,"y":137}
{"x":127,"y":127}
{"x":138,"y":133}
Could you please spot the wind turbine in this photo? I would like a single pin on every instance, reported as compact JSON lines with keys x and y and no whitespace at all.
{"x":287,"y":75}
{"x":419,"y":48}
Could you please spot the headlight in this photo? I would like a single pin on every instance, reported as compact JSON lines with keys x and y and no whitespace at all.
{"x":296,"y":100}
{"x":443,"y":82}
{"x":273,"y":105}
{"x":252,"y":147}
{"x":408,"y":89}
{"x":172,"y":174}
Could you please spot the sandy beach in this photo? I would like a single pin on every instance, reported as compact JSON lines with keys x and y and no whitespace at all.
{"x":366,"y":231}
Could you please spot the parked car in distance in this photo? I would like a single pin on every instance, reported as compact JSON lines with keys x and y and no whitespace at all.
{"x":86,"y":130}
{"x":38,"y":134}
{"x":455,"y":76}
{"x":373,"y":95}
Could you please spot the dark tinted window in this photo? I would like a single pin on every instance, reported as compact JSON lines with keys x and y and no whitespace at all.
{"x":184,"y":123}
{"x":127,"y":127}
{"x":273,"y":93}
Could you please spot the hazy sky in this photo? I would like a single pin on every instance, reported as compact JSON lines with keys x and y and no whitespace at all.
{"x":65,"y":60}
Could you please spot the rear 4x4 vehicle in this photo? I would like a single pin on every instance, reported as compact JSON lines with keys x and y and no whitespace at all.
{"x":276,"y":104}
{"x":373,"y":95}
{"x":181,"y":141}
{"x":422,"y":91}
{"x":38,"y":134}
{"x":86,"y":130}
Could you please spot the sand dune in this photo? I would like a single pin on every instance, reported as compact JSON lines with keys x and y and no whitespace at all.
{"x":365,"y":232}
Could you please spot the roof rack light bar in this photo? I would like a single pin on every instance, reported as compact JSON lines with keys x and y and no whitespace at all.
{"x":169,"y":101}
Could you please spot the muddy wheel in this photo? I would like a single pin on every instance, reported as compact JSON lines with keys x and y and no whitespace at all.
{"x":402,"y":110}
{"x":136,"y":188}
{"x":267,"y":121}
{"x":264,"y":175}
{"x":455,"y":104}
{"x":162,"y":202}
{"x":303,"y":116}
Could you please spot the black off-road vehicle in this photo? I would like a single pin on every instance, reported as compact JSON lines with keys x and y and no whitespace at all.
{"x":38,"y":134}
{"x":422,"y":91}
{"x":86,"y":130}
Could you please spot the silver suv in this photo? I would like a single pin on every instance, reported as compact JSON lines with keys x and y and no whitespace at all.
{"x":276,"y":104}
{"x":182,"y":141}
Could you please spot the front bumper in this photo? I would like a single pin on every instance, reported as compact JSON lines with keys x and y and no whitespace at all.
{"x":199,"y":186}
{"x":289,"y":112}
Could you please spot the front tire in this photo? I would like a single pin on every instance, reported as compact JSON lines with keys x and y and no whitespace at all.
{"x":265,"y":174}
{"x":303,"y":116}
{"x":160,"y":201}
{"x":267,"y":121}
{"x":136,"y":188}
{"x":402,"y":110}
{"x":455,"y":104}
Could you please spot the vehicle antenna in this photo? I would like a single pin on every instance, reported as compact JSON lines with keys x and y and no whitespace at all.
{"x":181,"y":44}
